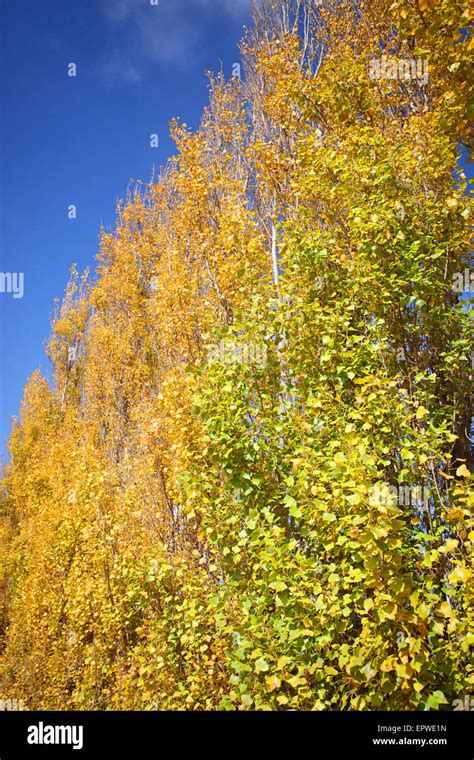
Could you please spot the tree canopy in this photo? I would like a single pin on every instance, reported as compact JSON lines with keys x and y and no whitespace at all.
{"x":248,"y":486}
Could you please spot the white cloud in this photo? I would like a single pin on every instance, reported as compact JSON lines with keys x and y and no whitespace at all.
{"x":167,"y":34}
{"x":118,"y":10}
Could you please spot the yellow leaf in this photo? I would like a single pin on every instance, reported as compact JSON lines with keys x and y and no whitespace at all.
{"x":387,"y":665}
{"x":368,"y":604}
{"x":444,"y":609}
{"x":421,"y":412}
{"x":459,"y":575}
{"x":273,"y":682}
{"x":282,"y":662}
{"x":405,"y":670}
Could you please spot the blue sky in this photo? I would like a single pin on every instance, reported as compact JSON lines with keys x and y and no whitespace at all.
{"x":80,"y":140}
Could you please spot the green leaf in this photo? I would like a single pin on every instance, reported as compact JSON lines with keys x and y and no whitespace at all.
{"x":261,"y":665}
{"x":278,"y":586}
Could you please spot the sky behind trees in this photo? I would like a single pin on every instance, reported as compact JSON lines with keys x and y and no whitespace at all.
{"x":68,"y":140}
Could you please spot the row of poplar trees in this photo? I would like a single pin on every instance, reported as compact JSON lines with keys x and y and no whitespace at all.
{"x":247,"y":486}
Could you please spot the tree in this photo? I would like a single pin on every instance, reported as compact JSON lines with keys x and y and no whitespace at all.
{"x":249,"y":489}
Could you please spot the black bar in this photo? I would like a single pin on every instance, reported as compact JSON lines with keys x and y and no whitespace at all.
{"x":309,"y":734}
